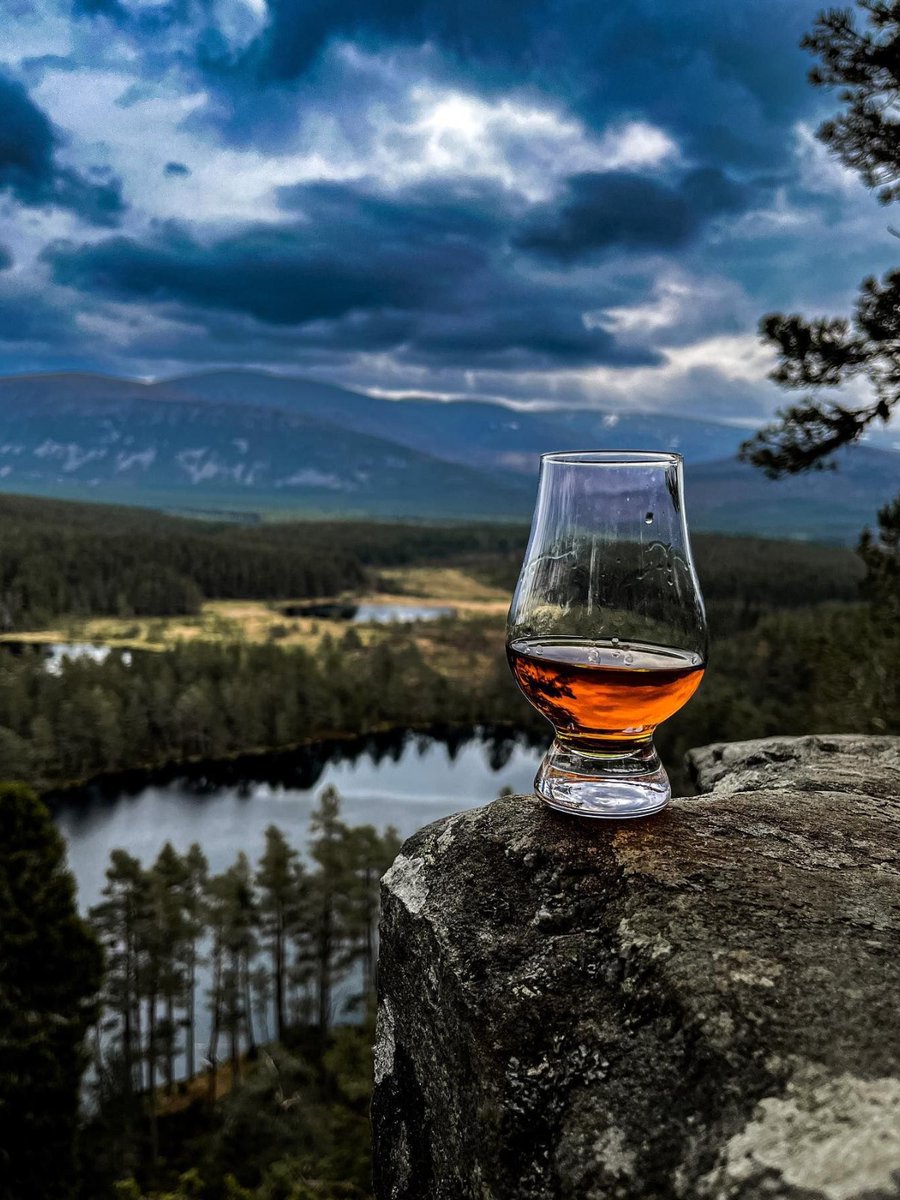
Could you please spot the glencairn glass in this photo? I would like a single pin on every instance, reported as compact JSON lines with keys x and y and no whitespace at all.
{"x":606,"y":634}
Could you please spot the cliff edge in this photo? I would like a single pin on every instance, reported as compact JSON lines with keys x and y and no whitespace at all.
{"x":703,"y":1004}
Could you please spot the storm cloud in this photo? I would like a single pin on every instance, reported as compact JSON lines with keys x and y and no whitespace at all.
{"x":29,"y":169}
{"x":423,"y":273}
{"x":538,"y":200}
{"x":618,"y":209}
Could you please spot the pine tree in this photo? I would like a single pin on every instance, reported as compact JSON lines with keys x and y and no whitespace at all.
{"x":50,"y":974}
{"x":322,"y":936}
{"x":262,"y":992}
{"x":196,"y":876}
{"x":117,"y":920}
{"x":280,"y":879}
{"x":231,"y":914}
{"x":829,"y":351}
{"x":169,"y":880}
{"x":881,"y":556}
{"x":369,"y":856}
{"x":213,"y":908}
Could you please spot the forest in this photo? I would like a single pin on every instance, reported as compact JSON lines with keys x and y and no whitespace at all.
{"x":767,"y":601}
{"x":805,"y":639}
{"x":279,"y":940}
{"x":63,"y":559}
{"x":273,"y":1104}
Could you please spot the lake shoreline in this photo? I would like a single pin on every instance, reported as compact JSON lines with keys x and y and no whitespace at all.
{"x":238,"y":766}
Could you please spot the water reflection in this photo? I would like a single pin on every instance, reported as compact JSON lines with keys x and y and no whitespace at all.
{"x":400,"y":778}
{"x":55,"y":654}
{"x":365,"y":614}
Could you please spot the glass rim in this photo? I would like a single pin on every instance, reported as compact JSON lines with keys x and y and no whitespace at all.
{"x":624,"y":458}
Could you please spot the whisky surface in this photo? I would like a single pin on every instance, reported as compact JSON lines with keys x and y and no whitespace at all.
{"x":603,"y":689}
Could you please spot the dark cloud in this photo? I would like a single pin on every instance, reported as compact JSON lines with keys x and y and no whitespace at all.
{"x":349,"y":251}
{"x":456,"y":276}
{"x":35,"y":67}
{"x":28,"y":166}
{"x":6,"y":258}
{"x":27,"y":316}
{"x":605,"y":211}
{"x":427,"y":274}
{"x":105,"y":8}
{"x":715,"y":76}
{"x":711,"y":193}
{"x":170,"y":12}
{"x":625,"y":211}
{"x":437,"y":213}
{"x":727,"y":80}
{"x":295,"y":35}
{"x":276,"y":274}
{"x":519,"y":334}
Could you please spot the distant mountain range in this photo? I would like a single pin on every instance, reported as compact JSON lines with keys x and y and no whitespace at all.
{"x":247,"y":441}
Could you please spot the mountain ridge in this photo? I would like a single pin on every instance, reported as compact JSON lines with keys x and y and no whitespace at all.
{"x":252,"y":441}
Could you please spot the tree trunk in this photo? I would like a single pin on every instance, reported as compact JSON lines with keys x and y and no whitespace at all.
{"x":170,"y":1044}
{"x":234,"y":1030}
{"x":151,"y":1071}
{"x":278,"y":954}
{"x":138,"y":1035}
{"x":213,"y":1048}
{"x":248,"y":1008}
{"x":189,"y":1044}
{"x":324,"y":981}
{"x":127,"y":1031}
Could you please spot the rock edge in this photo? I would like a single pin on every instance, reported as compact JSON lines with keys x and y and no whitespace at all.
{"x":699,"y":1005}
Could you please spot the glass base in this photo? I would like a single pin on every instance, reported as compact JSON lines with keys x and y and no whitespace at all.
{"x":624,"y":782}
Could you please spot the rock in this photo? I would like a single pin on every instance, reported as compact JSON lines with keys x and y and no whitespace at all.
{"x":703,"y":1004}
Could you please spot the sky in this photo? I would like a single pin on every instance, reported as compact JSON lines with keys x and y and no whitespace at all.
{"x":537,"y":201}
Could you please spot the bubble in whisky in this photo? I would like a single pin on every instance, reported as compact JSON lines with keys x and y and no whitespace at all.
{"x":606,"y":696}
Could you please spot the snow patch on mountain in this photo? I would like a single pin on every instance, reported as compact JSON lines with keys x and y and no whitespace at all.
{"x":71,"y":455}
{"x":138,"y":458}
{"x":310,"y":477}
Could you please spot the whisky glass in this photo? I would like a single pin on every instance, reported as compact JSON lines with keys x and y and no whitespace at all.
{"x":606,"y":634}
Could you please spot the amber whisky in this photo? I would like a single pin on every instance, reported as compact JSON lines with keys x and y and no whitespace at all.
{"x":603,"y":690}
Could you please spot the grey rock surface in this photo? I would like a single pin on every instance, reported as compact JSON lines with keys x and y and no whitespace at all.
{"x":701,"y":1005}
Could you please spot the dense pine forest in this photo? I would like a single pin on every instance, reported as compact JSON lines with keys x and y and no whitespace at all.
{"x":804,"y":639}
{"x":58,"y":558}
{"x":209,"y":699}
{"x":62,"y":559}
{"x":273,"y":1104}
{"x":282,"y":1091}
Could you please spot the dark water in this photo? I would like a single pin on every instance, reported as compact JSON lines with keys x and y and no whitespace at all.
{"x":406,"y":780}
{"x":401,"y":779}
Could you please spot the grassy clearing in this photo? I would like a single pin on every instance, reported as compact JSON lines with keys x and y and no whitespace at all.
{"x":259,"y":621}
{"x":443,"y":585}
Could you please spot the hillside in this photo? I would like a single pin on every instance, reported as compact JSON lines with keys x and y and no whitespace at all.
{"x":254,"y":443}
